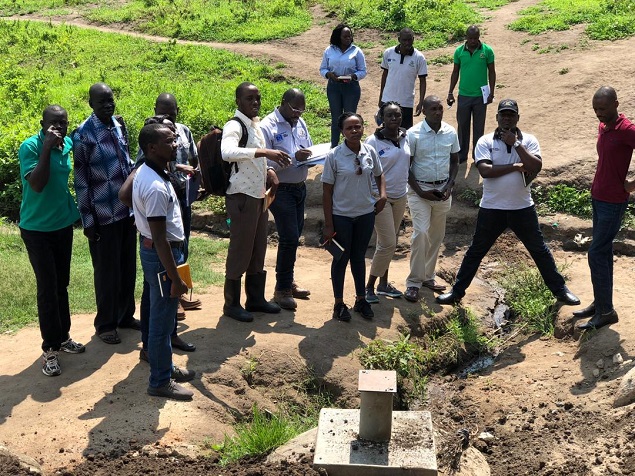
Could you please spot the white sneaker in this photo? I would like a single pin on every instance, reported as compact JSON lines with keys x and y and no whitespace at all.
{"x":50,"y":364}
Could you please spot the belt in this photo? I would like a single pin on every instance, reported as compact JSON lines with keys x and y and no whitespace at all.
{"x":291,"y":185}
{"x":149,"y":244}
{"x":436,"y":182}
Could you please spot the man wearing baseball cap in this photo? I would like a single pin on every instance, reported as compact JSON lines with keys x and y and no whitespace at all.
{"x":507,"y":159}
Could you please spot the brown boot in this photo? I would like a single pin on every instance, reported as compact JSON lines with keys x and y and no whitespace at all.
{"x":180,"y":313}
{"x":298,"y":292}
{"x":284,"y":298}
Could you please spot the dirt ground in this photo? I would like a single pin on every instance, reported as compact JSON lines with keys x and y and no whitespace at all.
{"x":547,"y":410}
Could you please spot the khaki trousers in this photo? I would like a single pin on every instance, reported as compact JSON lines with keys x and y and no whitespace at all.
{"x":387,"y":227}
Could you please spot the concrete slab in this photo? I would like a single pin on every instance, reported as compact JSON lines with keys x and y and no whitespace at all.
{"x":410,"y":451}
{"x":384,"y":381}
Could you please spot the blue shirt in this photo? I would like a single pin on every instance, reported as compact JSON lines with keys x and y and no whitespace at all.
{"x":102,"y":164}
{"x":279,"y":135}
{"x":343,"y":63}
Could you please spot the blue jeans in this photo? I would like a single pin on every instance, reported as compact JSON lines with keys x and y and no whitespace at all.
{"x":162,"y":316}
{"x":288,"y":212}
{"x":343,"y":97}
{"x":607,"y":218}
{"x":490,"y":224}
{"x":353,"y":234}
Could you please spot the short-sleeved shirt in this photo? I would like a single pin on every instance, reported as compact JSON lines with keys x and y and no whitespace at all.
{"x":154,"y":198}
{"x":395,"y":162}
{"x":615,"y":150}
{"x":352,"y":193}
{"x":431,"y":151}
{"x":252,"y":171}
{"x":507,"y":192}
{"x":403,"y":71}
{"x":53,"y":208}
{"x":473,"y":68}
{"x":343,"y":63}
{"x":185,"y":146}
{"x":279,"y":135}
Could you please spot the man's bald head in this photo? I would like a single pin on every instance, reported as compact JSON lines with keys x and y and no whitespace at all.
{"x":166,"y":105}
{"x":293,"y":94}
{"x":102,"y":101}
{"x":606,"y":92}
{"x":97,"y":89}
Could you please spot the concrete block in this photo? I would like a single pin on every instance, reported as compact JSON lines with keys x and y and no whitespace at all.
{"x":410,"y":451}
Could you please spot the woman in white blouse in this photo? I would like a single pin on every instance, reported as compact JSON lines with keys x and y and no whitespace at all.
{"x":344,"y":65}
{"x":389,"y":141}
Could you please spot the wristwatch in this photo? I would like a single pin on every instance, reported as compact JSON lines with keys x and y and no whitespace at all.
{"x":517,"y":143}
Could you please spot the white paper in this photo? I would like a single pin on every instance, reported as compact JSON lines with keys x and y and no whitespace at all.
{"x":318,"y":155}
{"x":486,"y":91}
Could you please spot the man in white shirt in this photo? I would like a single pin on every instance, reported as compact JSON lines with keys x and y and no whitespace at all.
{"x":285,"y":130}
{"x":434,"y":163}
{"x":504,"y":159}
{"x":401,"y":66}
{"x":244,"y":202}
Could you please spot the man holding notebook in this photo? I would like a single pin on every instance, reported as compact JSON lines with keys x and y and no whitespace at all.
{"x":503,"y":158}
{"x":161,"y":245}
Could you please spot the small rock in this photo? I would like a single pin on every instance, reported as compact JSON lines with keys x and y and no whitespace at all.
{"x":560,"y":354}
{"x":600,"y":364}
{"x":618,"y":359}
{"x":626,"y":392}
{"x":485,"y":436}
{"x":596,"y":373}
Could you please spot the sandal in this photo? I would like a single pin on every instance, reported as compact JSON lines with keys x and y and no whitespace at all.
{"x":110,"y":337}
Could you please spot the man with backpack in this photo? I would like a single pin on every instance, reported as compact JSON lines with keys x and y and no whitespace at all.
{"x":251,"y":183}
{"x":285,"y":130}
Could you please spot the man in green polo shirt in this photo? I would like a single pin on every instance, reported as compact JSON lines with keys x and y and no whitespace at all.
{"x":474,"y":62}
{"x":47,"y":214}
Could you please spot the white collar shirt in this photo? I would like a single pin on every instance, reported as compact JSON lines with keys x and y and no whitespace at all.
{"x":251,"y":176}
{"x":280,"y":135}
{"x":431,"y":151}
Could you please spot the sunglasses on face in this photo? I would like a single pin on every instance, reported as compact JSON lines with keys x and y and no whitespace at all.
{"x":358,"y":164}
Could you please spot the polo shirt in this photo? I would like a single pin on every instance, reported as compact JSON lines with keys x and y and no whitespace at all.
{"x":431,"y":151}
{"x":343,"y":63}
{"x":615,"y":150}
{"x":507,"y":192}
{"x":395,"y":162}
{"x":473,"y":68}
{"x":352,"y":193}
{"x":403,"y":71}
{"x":252,"y":171}
{"x":279,"y":135}
{"x":153,"y":197}
{"x":53,"y":208}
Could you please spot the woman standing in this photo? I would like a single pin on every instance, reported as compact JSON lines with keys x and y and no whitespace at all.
{"x":392,"y":149}
{"x":344,"y":65}
{"x":350,"y":208}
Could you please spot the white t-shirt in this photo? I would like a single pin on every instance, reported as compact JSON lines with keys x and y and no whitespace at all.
{"x":352,"y":193}
{"x":403,"y":71}
{"x":507,"y":192}
{"x":395,"y":161}
{"x":152,"y":197}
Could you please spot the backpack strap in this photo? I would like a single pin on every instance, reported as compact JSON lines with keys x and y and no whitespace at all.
{"x":243,"y":138}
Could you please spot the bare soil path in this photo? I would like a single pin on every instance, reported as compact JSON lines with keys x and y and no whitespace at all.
{"x":549,"y":412}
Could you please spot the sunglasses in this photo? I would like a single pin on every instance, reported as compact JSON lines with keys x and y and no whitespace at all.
{"x":358,"y":164}
{"x":296,"y":111}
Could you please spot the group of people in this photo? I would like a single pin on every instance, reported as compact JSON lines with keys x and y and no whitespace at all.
{"x":367,"y":185}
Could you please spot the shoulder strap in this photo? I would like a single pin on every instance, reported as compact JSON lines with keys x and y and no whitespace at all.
{"x":245,"y":133}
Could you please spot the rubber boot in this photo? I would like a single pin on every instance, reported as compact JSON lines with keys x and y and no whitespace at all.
{"x":255,"y":289}
{"x":232,"y":307}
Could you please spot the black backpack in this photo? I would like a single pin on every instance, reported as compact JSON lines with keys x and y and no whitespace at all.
{"x":215,"y":172}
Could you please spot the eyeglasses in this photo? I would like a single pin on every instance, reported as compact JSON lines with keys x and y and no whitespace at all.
{"x":358,"y":164}
{"x":297,"y":111}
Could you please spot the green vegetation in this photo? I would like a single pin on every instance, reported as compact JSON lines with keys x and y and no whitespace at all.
{"x":529,"y":298}
{"x":413,"y":359}
{"x":606,"y":19}
{"x":263,"y":433}
{"x":441,"y":60}
{"x":436,"y":22}
{"x":44,"y":64}
{"x":564,"y":199}
{"x":18,"y":306}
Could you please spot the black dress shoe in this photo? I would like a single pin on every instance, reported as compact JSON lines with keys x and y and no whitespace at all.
{"x":586,"y":312}
{"x":567,"y":297}
{"x":448,"y":298}
{"x":178,"y":343}
{"x":600,"y":320}
{"x":133,"y":324}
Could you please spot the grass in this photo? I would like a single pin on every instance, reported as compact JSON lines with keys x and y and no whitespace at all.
{"x":605,"y":19}
{"x":529,"y":298}
{"x":18,"y":306}
{"x":45,"y":64}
